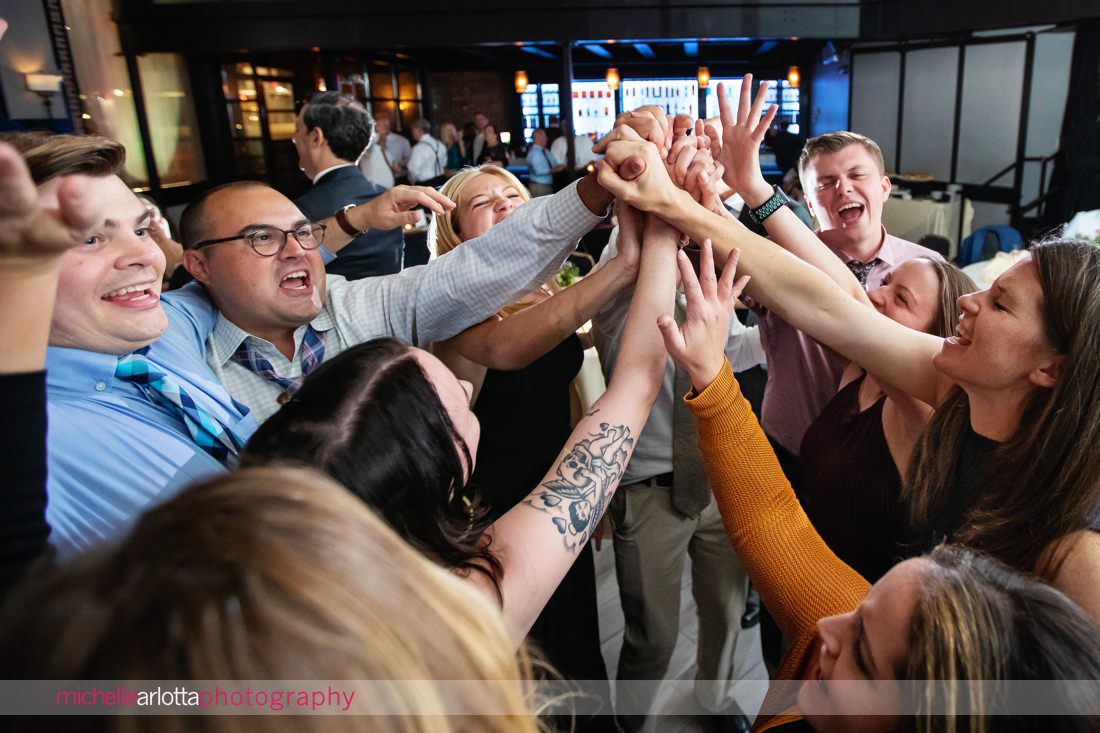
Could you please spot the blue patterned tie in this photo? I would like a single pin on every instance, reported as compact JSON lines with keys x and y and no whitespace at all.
{"x":206,"y":430}
{"x":313,"y":353}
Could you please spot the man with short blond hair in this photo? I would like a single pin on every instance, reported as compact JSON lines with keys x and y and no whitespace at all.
{"x":846,"y":188}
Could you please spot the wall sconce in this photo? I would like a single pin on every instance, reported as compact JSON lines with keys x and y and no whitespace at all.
{"x":613,"y":78}
{"x":521,"y":81}
{"x":794,"y":77}
{"x":703,"y":75}
{"x":45,"y":86}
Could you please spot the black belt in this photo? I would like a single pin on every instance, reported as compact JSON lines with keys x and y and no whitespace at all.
{"x":661,"y":479}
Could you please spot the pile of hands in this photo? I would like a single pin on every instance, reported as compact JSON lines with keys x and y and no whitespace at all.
{"x":651,"y":157}
{"x":654,"y":163}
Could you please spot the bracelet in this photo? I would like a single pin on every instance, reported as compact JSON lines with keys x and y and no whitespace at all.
{"x":769,"y":207}
{"x":345,"y":223}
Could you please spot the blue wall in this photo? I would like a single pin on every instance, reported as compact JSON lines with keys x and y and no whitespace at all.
{"x":830,"y":96}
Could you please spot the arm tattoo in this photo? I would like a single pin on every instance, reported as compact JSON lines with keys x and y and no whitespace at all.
{"x":577,"y":498}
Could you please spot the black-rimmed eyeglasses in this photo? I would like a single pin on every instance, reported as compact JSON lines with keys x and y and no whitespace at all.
{"x":269,"y":241}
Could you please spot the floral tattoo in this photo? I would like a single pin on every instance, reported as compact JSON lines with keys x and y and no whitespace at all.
{"x":577,"y":498}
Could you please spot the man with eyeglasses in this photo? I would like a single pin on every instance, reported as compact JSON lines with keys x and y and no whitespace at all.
{"x":280,"y":315}
{"x":135,"y":413}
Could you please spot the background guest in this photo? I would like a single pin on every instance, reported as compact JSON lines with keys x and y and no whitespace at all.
{"x":493,"y":151}
{"x":456,"y":148}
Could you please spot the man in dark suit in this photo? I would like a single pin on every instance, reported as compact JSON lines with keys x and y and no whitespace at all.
{"x":330,"y":135}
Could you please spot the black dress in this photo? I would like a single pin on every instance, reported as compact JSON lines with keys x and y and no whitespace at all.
{"x":495,"y":154}
{"x":525,"y":423}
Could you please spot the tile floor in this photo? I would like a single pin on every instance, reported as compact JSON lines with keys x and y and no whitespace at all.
{"x":674,"y":695}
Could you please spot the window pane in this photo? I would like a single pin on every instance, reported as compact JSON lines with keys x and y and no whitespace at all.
{"x":281,"y":125}
{"x":244,"y":119}
{"x":381,"y":83}
{"x":170,"y":109}
{"x":105,"y":83}
{"x":278,"y":96}
{"x":410,"y":113}
{"x":237,"y":88}
{"x":408,"y":83}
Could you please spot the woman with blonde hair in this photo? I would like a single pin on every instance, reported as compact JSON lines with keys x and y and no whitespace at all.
{"x":275,"y":574}
{"x":523,"y":390}
{"x":456,"y":149}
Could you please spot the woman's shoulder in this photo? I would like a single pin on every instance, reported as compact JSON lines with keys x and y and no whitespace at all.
{"x":1076,"y":559}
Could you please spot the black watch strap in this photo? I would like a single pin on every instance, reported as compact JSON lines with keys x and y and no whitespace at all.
{"x":345,"y":223}
{"x":769,"y":207}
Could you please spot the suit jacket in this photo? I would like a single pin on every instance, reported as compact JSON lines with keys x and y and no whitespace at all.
{"x":375,"y":253}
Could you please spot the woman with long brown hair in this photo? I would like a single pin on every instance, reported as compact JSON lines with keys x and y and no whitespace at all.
{"x":936,"y":645}
{"x":395,"y":426}
{"x":854,"y":454}
{"x":1008,"y":464}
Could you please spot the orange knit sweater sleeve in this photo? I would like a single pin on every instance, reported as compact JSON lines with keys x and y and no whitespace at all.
{"x":798,"y":577}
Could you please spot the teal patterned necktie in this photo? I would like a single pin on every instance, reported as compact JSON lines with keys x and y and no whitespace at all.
{"x":207,"y":431}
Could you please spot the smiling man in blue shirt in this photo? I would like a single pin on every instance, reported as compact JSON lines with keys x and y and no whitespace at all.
{"x":135,"y":412}
{"x":115,"y":444}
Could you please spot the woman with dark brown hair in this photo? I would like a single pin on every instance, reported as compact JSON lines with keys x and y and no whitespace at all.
{"x":943,"y":642}
{"x":1008,"y":464}
{"x":395,"y":426}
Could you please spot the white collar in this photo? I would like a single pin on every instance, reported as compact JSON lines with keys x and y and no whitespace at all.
{"x":326,"y":171}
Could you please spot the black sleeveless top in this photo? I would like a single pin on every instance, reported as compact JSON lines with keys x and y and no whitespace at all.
{"x":524,"y":418}
{"x":964,"y":490}
{"x":851,"y":487}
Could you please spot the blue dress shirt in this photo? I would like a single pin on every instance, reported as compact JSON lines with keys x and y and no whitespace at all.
{"x":540,"y":163}
{"x":114,"y":453}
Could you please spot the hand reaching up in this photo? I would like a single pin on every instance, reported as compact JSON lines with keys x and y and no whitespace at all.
{"x":699,"y":344}
{"x":31,"y":236}
{"x":397,"y":207}
{"x":650,"y":123}
{"x":737,"y":144}
{"x":694,"y":168}
{"x":633,"y":170}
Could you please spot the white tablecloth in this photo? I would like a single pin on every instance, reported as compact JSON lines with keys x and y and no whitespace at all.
{"x":911,"y":219}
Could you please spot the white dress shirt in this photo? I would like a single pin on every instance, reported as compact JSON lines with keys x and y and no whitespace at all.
{"x":653,"y":448}
{"x":429,"y":159}
{"x":582,"y":150}
{"x":375,"y":168}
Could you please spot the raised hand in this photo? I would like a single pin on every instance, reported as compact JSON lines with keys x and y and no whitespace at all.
{"x":699,"y":344}
{"x":31,"y":236}
{"x":396,"y":207}
{"x":633,"y":170}
{"x":737,"y":145}
{"x":703,"y":175}
{"x":649,"y":122}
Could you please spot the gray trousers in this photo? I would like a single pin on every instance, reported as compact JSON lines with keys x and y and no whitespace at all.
{"x":651,"y":542}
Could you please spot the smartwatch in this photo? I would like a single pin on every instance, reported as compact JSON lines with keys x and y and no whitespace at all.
{"x":345,"y":223}
{"x":769,"y":207}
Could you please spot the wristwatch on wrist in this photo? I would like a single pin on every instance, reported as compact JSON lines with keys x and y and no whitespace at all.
{"x":345,"y":223}
{"x":769,"y":207}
